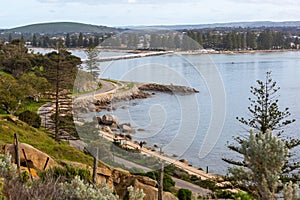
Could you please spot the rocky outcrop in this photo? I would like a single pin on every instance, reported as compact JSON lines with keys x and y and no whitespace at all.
{"x":148,"y":186}
{"x":36,"y":158}
{"x":172,"y":89}
{"x":109,"y":119}
{"x":119,"y":180}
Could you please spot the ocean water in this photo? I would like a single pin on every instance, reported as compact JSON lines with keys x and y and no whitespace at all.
{"x":198,"y":127}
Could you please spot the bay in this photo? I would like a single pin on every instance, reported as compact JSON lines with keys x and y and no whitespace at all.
{"x":180,"y":124}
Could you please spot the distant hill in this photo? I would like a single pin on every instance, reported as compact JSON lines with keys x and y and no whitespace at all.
{"x":221,"y":25}
{"x":63,"y":27}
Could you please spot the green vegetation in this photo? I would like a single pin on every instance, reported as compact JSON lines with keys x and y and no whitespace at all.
{"x":40,"y":140}
{"x":126,"y":87}
{"x":264,"y":155}
{"x":65,"y":186}
{"x":267,"y":159}
{"x":184,"y":194}
{"x":134,"y":155}
{"x":33,"y":106}
{"x":66,"y":172}
{"x":266,"y":115}
{"x":92,"y":66}
{"x":31,"y":118}
{"x":265,"y":39}
{"x":168,"y":182}
{"x":112,"y":81}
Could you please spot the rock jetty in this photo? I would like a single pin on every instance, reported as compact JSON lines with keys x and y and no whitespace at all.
{"x":171,"y":89}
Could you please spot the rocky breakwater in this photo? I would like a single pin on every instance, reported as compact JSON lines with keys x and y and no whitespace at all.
{"x":104,"y":101}
{"x":171,"y":89}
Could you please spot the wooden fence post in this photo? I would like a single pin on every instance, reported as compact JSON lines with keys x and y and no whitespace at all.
{"x":27,"y":164}
{"x":95,"y":166}
{"x":17,"y":153}
{"x":46,"y":163}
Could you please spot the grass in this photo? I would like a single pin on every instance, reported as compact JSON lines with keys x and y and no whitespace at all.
{"x":76,"y":93}
{"x":127,"y":86}
{"x":112,"y":81}
{"x":40,"y":140}
{"x":34,"y":106}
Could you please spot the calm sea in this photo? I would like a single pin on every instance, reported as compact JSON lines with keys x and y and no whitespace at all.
{"x":198,"y":127}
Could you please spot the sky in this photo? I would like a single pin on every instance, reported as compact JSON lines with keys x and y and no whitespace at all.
{"x":118,"y":13}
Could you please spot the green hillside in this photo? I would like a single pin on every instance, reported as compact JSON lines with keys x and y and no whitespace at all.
{"x":63,"y":27}
{"x":40,"y":140}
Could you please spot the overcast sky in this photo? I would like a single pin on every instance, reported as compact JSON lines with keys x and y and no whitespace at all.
{"x":145,"y":12}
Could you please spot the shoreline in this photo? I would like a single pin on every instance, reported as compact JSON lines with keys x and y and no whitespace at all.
{"x":188,"y":52}
{"x":204,"y":51}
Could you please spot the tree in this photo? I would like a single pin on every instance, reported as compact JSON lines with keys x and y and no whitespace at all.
{"x":266,"y":115}
{"x":62,"y":73}
{"x":10,"y":38}
{"x":34,"y":40}
{"x":80,"y":40}
{"x":264,"y":157}
{"x":68,"y":41}
{"x":264,"y":110}
{"x":39,"y":84}
{"x":265,"y":40}
{"x":91,"y":63}
{"x":31,"y":118}
{"x":12,"y":94}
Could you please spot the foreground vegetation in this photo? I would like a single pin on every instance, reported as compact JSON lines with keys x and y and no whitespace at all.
{"x":39,"y":139}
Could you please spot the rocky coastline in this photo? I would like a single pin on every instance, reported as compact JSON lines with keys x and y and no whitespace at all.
{"x":103,"y":101}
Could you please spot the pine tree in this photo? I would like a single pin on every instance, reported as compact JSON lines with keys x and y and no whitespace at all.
{"x":61,"y":72}
{"x":266,"y":115}
{"x":264,"y":157}
{"x":80,"y":40}
{"x":68,"y":41}
{"x":34,"y":40}
{"x":91,"y":63}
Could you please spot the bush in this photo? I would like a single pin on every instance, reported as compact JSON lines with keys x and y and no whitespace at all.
{"x":67,"y":173}
{"x":31,"y":118}
{"x":49,"y":187}
{"x":241,"y":195}
{"x":184,"y":194}
{"x":168,"y":182}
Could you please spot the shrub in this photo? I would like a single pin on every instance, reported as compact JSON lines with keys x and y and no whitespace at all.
{"x":49,"y":187}
{"x":66,"y":173}
{"x":31,"y":118}
{"x":168,"y":182}
{"x":184,"y":194}
{"x":241,"y":195}
{"x":135,"y":193}
{"x":77,"y":189}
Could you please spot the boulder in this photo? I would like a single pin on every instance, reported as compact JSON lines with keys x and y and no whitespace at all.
{"x":109,"y":119}
{"x":36,"y":158}
{"x":146,"y":180}
{"x":152,"y":192}
{"x":106,"y":129}
{"x":184,"y":161}
{"x":127,"y":129}
{"x":91,"y":107}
